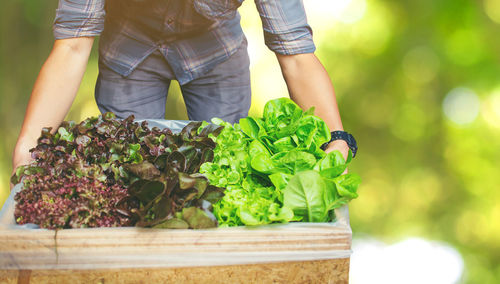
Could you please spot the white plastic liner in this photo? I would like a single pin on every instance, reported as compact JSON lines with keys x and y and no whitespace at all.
{"x":31,"y":248}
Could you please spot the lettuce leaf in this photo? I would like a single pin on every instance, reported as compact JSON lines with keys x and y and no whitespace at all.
{"x":274,"y":170}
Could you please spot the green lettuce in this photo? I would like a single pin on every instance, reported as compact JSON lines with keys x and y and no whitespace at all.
{"x":274,"y":170}
{"x":249,"y":199}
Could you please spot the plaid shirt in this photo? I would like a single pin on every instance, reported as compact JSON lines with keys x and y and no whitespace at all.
{"x":193,"y":35}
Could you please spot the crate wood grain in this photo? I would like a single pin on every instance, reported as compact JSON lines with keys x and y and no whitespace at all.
{"x":319,"y":271}
{"x":137,"y":247}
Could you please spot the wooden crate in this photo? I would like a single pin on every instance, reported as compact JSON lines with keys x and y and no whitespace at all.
{"x":319,"y":271}
{"x":290,"y":253}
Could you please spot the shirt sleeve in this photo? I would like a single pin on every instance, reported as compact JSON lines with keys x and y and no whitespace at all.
{"x":286,"y":30}
{"x":79,"y":18}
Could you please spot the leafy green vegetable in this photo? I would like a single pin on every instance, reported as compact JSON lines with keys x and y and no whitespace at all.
{"x":168,"y":191}
{"x":198,"y":219}
{"x":173,"y":223}
{"x":263,"y":163}
{"x":249,"y":198}
{"x":304,"y":194}
{"x":274,"y":170}
{"x":77,"y":177}
{"x":347,"y":185}
{"x":109,"y":172}
{"x":295,"y":161}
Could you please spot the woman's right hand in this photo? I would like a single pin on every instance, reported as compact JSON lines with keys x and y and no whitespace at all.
{"x":20,"y":157}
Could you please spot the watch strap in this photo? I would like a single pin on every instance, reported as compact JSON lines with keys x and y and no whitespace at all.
{"x":347,"y":137}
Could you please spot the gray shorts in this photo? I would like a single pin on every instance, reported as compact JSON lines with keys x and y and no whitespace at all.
{"x":223,"y":92}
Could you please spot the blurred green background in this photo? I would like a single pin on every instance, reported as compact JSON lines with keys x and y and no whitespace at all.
{"x":418,"y":84}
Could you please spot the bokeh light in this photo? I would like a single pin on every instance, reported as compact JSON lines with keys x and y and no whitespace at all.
{"x":461,"y":106}
{"x":373,"y":32}
{"x":344,"y":11}
{"x":491,"y":109}
{"x":422,"y":188}
{"x":413,"y":260}
{"x":492,"y":9}
{"x":421,"y":64}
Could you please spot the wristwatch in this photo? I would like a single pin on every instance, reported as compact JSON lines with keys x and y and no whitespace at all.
{"x":347,"y":137}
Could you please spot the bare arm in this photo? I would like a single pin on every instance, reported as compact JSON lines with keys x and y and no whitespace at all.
{"x":53,"y":93}
{"x":309,"y":85}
